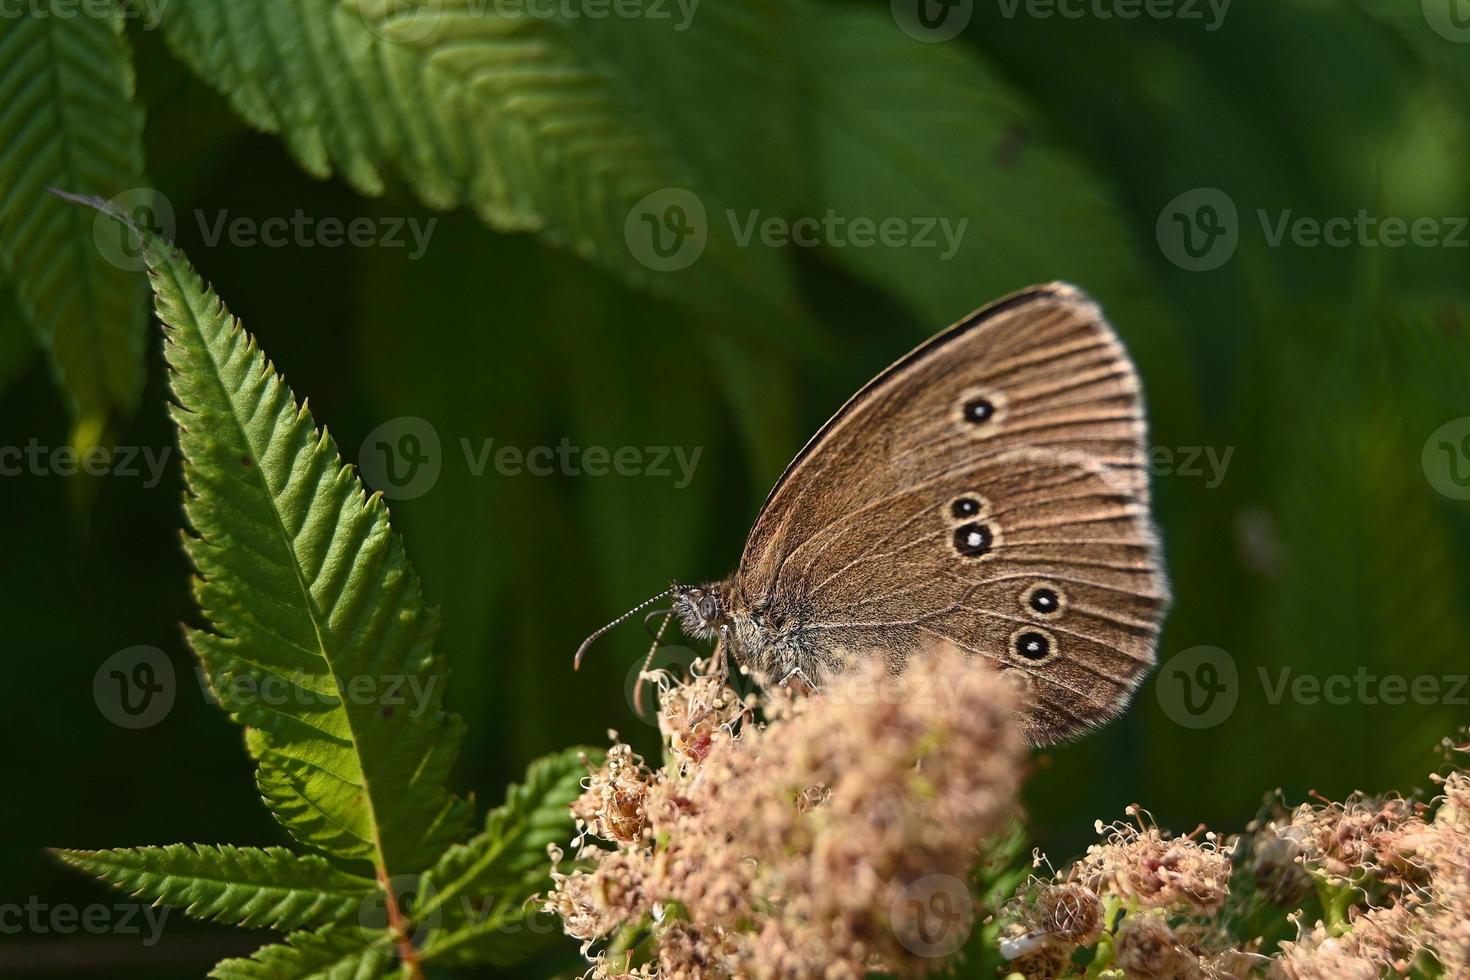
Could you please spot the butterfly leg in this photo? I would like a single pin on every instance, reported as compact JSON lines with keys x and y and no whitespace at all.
{"x":798,"y":683}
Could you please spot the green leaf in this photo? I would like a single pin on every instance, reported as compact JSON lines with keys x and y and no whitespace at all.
{"x":342,"y":955}
{"x":1433,"y":31}
{"x":542,"y":123}
{"x":929,"y":131}
{"x":247,"y":886}
{"x":480,"y":892}
{"x":535,"y":813}
{"x":491,"y":932}
{"x":67,"y":119}
{"x":320,"y":640}
{"x":314,"y":818}
{"x":932,"y":135}
{"x":1004,"y":865}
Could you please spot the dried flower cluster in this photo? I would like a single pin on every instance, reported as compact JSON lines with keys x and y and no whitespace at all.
{"x":836,"y":839}
{"x":1384,"y":882}
{"x":1404,"y":869}
{"x":832,"y":839}
{"x":1167,"y":888}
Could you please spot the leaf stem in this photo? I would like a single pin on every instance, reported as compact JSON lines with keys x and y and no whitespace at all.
{"x":398,"y":925}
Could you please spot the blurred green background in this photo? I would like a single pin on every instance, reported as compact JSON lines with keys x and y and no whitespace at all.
{"x":1333,"y":541}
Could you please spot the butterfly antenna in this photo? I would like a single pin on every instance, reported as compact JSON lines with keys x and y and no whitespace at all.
{"x":577,"y":660}
{"x":658,"y":638}
{"x":648,"y":617}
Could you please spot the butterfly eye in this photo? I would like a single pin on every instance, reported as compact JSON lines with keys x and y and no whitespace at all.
{"x":1033,"y":645}
{"x":965,"y":507}
{"x":972,"y":540}
{"x":1043,"y":600}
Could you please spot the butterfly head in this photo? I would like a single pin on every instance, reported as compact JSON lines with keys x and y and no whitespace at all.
{"x":702,"y":609}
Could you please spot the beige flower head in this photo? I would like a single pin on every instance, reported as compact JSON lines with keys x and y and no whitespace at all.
{"x":832,"y":840}
{"x":1139,"y":862}
{"x":1148,"y":949}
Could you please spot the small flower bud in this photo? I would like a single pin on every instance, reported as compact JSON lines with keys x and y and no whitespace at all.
{"x":1070,"y":913}
{"x":1149,"y":950}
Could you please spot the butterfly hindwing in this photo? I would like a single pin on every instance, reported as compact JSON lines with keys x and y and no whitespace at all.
{"x":1003,"y":457}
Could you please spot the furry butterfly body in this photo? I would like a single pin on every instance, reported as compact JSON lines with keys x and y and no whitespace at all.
{"x":988,"y":490}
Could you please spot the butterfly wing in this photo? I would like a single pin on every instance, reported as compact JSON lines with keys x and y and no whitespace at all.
{"x":988,"y":490}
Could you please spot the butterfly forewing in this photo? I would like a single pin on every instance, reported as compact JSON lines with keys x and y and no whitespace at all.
{"x":988,"y":490}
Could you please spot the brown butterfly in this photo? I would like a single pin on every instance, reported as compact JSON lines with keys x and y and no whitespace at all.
{"x":987,"y":490}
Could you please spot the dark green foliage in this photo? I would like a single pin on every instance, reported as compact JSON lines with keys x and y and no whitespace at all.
{"x":316,"y":630}
{"x":1324,"y":549}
